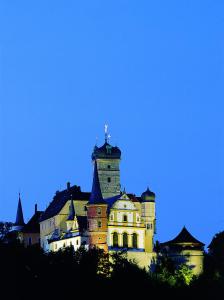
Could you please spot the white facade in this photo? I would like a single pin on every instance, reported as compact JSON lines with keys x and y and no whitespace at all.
{"x":125,"y":227}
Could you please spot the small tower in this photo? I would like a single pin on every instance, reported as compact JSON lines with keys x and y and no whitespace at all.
{"x":108,"y":167}
{"x":97,"y":215}
{"x":185,"y":248}
{"x":71,"y":221}
{"x":149,"y":218}
{"x":19,"y":223}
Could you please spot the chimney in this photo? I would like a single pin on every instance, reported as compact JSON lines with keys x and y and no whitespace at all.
{"x":68,"y":185}
{"x":35,"y":208}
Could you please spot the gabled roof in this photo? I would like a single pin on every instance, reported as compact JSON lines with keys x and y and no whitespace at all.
{"x":184,"y":237}
{"x":112,"y":200}
{"x":19,"y":214}
{"x":96,"y":195}
{"x":60,"y":200}
{"x":33,"y":225}
{"x":134,"y":198}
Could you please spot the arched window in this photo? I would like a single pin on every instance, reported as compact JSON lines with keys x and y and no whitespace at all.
{"x":125,"y":218}
{"x":135,"y":240}
{"x":115,"y":239}
{"x":125,"y":240}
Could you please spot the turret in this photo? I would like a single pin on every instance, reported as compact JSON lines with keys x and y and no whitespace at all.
{"x":71,"y":221}
{"x":149,"y":218}
{"x":97,"y":215}
{"x":19,"y":223}
{"x":108,"y":166}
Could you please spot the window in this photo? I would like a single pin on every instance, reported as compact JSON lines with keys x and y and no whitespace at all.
{"x":108,"y":167}
{"x":135,"y":240}
{"x":115,"y":239}
{"x":77,"y":242}
{"x":125,"y":240}
{"x":125,"y":206}
{"x":70,"y":243}
{"x":149,"y":226}
{"x":85,"y":208}
{"x":138,"y":219}
{"x":56,"y":247}
{"x":108,"y":179}
{"x":125,"y":218}
{"x":99,"y":211}
{"x":99,"y":224}
{"x":111,"y":217}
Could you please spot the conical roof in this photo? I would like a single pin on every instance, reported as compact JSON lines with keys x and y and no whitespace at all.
{"x":71,"y":214}
{"x":96,"y":195}
{"x":184,"y":237}
{"x":19,"y":214}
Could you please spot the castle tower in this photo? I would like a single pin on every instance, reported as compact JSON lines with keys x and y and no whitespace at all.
{"x":19,"y":223}
{"x":108,"y":167}
{"x":149,"y":218}
{"x":97,"y":215}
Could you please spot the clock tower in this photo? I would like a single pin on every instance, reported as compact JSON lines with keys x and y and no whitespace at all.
{"x":108,"y":167}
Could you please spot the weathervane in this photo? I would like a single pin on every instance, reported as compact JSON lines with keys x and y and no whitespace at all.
{"x":107,"y":135}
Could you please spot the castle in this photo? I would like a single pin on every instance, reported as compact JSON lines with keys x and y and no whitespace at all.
{"x":109,"y":218}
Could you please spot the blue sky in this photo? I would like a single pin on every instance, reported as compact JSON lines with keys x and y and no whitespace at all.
{"x":153,"y":70}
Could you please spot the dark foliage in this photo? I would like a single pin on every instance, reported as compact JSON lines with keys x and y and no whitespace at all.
{"x":31,"y":274}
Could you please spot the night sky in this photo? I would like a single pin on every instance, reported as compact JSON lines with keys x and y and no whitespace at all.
{"x":152,"y":70}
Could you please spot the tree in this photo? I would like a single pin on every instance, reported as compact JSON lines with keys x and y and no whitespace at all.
{"x":5,"y":227}
{"x":215,"y":259}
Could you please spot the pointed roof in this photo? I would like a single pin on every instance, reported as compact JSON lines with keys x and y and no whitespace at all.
{"x":96,"y":195}
{"x":19,"y":214}
{"x":71,"y":215}
{"x":184,"y":237}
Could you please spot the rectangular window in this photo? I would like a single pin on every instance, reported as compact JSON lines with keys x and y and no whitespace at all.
{"x":108,"y":179}
{"x":99,"y":224}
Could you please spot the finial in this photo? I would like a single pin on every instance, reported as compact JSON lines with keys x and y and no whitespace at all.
{"x":107,"y":135}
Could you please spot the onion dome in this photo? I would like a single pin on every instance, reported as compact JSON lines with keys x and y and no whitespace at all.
{"x":148,"y":196}
{"x":106,"y":151}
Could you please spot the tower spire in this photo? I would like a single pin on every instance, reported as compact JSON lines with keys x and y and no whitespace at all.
{"x":71,"y":215}
{"x":19,"y":215}
{"x":96,"y":195}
